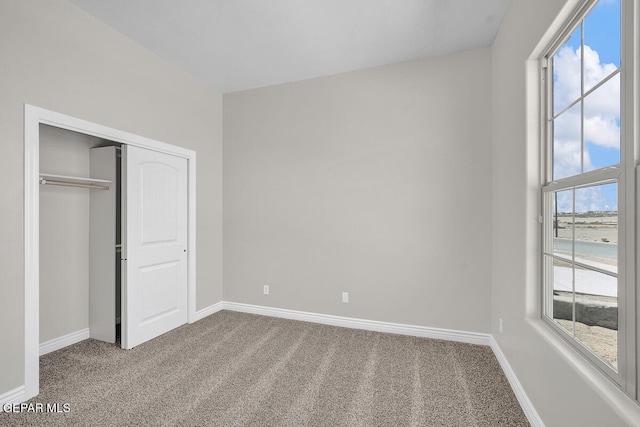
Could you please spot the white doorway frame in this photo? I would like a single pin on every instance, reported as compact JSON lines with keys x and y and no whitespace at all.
{"x":33,"y":117}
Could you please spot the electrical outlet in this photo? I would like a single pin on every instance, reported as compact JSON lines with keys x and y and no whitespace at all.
{"x":266,"y":289}
{"x":500,"y":325}
{"x":345,"y":297}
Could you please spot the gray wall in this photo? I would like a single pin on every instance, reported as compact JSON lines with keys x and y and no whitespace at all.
{"x":64,"y":234}
{"x":563,"y":393}
{"x":56,"y":56}
{"x":374,"y":182}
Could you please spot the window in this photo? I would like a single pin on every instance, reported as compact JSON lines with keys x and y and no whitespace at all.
{"x":589,"y":165}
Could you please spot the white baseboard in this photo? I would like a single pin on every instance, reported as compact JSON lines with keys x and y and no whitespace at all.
{"x":208,"y":311}
{"x":17,"y":395}
{"x":527,"y":407}
{"x":369,"y":325}
{"x":63,"y":341}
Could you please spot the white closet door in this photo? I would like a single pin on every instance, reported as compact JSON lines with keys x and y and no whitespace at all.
{"x":154,"y":244}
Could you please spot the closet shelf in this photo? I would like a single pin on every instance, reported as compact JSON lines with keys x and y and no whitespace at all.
{"x":74,"y":181}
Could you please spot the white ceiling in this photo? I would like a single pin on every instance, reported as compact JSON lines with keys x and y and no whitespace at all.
{"x":233,"y":45}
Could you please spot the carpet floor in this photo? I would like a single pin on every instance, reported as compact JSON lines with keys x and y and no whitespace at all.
{"x":236,"y":369}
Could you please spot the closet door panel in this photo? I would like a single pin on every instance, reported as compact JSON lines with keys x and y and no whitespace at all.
{"x":158,"y":294}
{"x":154,"y":244}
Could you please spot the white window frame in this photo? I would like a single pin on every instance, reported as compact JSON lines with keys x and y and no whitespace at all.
{"x":624,"y":174}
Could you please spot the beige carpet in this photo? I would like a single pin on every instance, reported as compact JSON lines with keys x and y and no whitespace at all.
{"x":234,"y":369}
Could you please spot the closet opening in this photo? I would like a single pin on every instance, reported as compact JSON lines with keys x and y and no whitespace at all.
{"x":80,"y":238}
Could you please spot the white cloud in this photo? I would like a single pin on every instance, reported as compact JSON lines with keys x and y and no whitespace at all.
{"x":567,"y":145}
{"x":587,"y":199}
{"x":566,"y":69}
{"x":566,"y":74}
{"x":602,"y":130}
{"x":601,"y":123}
{"x":567,"y":158}
{"x":594,"y":72}
{"x":601,"y":109}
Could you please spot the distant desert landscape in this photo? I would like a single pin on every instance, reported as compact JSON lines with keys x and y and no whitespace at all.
{"x":596,"y":244}
{"x":589,"y":226}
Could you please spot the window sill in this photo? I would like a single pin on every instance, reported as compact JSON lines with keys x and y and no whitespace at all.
{"x":627,"y":408}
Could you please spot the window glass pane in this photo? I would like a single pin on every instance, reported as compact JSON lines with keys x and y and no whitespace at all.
{"x":563,"y":294}
{"x":596,"y":226}
{"x":601,"y":42}
{"x":567,"y":72}
{"x":563,"y":223}
{"x":596,"y":307}
{"x":602,"y":126}
{"x":567,"y":143}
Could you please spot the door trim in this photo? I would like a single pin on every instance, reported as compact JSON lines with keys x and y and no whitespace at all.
{"x":33,"y":117}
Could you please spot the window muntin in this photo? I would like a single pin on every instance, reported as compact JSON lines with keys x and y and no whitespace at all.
{"x":584,"y":172}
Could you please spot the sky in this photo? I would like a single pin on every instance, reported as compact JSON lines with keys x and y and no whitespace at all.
{"x":601,"y":107}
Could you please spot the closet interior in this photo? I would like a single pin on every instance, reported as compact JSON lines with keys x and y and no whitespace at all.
{"x":80,"y":232}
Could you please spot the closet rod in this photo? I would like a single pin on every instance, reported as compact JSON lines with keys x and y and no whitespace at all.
{"x":73,"y":184}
